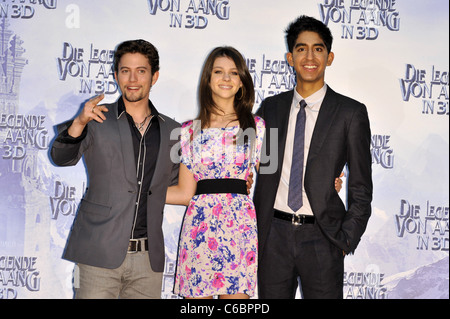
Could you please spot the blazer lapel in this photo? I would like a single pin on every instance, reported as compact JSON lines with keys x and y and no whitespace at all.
{"x":282,"y":119}
{"x":327,"y":113}
{"x":126,"y":144}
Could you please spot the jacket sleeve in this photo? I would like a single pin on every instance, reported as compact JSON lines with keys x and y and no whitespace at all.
{"x":260,"y":111}
{"x":360,"y":186}
{"x":175,"y":155}
{"x":65,"y":149}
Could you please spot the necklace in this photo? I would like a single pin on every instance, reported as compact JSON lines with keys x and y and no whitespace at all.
{"x":140,"y":126}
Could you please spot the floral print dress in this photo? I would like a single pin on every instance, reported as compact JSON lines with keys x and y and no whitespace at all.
{"x":218,"y":241}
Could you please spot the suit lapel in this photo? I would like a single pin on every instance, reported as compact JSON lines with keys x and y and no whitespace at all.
{"x":126,"y":144}
{"x":327,"y":113}
{"x":282,"y":119}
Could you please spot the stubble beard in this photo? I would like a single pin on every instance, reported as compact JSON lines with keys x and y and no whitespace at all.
{"x":133,"y":98}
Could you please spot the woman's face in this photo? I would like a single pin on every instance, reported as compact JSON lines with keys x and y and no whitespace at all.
{"x":225,"y":81}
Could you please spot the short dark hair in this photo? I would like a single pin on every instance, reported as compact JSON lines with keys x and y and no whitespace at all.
{"x":305,"y":23}
{"x":138,"y":46}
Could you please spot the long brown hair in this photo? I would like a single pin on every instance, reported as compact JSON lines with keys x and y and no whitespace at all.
{"x":245,"y":97}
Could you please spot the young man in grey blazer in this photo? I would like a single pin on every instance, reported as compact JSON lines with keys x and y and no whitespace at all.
{"x":117,"y":239}
{"x":303,"y":240}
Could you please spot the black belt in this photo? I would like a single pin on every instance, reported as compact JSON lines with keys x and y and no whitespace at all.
{"x":294,"y":219}
{"x":223,"y":185}
{"x":136,"y":245}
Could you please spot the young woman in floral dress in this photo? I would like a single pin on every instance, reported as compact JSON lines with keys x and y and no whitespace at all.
{"x":219,"y":242}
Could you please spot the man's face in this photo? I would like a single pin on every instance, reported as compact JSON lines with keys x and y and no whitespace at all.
{"x":134,"y":77}
{"x":310,"y":59}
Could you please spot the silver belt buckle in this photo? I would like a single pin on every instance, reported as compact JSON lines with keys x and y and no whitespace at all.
{"x":296,"y":220}
{"x":136,"y":247}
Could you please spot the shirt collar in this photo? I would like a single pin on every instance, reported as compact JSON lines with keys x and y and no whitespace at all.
{"x":311,"y":100}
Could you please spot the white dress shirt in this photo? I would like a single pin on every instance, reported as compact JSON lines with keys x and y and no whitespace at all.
{"x":314,"y":102}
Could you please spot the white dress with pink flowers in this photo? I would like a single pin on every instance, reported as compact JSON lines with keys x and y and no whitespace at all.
{"x":218,"y":241}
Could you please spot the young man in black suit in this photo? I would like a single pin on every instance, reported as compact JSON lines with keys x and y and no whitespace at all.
{"x":305,"y":233}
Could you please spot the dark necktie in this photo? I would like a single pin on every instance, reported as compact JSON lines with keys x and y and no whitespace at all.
{"x":295,"y":200}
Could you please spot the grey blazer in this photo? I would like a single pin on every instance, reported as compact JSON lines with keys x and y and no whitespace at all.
{"x":101,"y":230}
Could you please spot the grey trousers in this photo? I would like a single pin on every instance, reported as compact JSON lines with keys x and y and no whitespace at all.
{"x":134,"y":279}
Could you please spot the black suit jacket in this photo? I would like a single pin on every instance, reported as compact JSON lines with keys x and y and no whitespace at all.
{"x":341,"y":136}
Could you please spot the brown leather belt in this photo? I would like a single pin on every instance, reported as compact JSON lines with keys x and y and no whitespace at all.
{"x":136,"y":245}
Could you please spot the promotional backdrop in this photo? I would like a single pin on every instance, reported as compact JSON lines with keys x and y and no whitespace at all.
{"x":392,"y":55}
